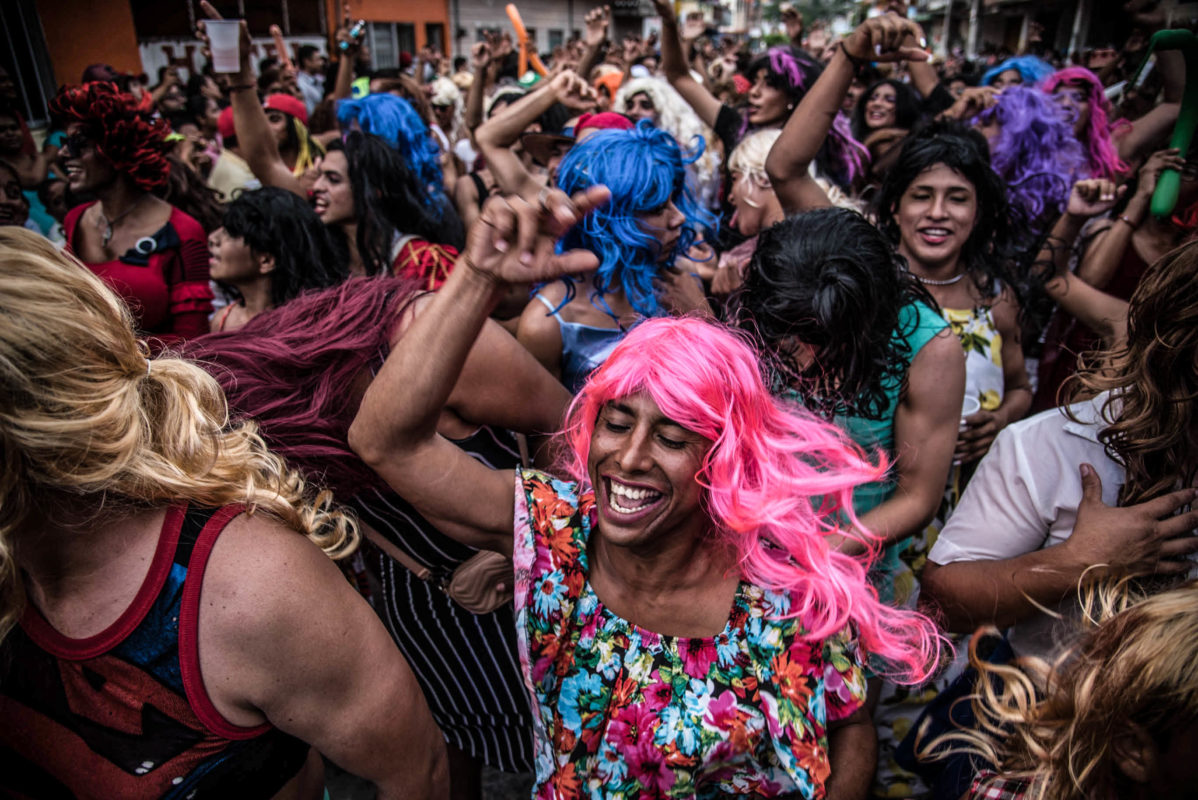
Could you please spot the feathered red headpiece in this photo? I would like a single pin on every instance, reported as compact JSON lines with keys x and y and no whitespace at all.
{"x":134,"y":144}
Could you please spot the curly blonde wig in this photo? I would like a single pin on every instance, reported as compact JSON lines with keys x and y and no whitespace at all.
{"x":1058,"y":727}
{"x":88,"y":424}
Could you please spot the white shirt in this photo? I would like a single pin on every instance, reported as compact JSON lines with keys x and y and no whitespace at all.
{"x":312,"y":88}
{"x":1024,"y":497}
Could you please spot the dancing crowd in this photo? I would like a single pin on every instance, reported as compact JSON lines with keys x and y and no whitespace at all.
{"x":679,"y":421}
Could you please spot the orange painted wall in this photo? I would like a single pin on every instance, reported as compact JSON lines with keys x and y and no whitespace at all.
{"x":414,"y":11}
{"x":80,"y":33}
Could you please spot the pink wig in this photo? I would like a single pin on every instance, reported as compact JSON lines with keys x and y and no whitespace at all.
{"x":1103,"y":157}
{"x":778,"y":481}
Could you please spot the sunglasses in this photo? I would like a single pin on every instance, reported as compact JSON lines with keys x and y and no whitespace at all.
{"x":76,"y":143}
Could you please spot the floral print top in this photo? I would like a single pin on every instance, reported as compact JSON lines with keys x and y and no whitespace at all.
{"x":622,"y":712}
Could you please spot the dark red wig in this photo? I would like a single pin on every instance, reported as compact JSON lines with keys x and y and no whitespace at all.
{"x":135,"y":144}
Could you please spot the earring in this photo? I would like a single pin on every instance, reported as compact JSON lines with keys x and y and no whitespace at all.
{"x":790,"y":106}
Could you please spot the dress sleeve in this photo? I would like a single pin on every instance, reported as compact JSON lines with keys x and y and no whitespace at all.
{"x":190,"y":295}
{"x":844,"y":676}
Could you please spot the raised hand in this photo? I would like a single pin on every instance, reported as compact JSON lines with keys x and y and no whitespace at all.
{"x":1092,"y":197}
{"x":244,"y":45}
{"x":972,"y":102}
{"x":513,"y":240}
{"x":1158,"y":162}
{"x":693,"y":28}
{"x":480,"y":56}
{"x":1143,"y":539}
{"x":597,"y":20}
{"x":573,"y":92}
{"x":881,"y":38}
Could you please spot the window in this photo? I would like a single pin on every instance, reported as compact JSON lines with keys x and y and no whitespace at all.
{"x":23,"y":56}
{"x":557,"y":38}
{"x":387,"y":40}
{"x":406,"y":36}
{"x":434,"y":35}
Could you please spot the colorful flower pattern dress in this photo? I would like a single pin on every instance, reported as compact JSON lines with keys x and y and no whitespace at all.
{"x":622,"y":712}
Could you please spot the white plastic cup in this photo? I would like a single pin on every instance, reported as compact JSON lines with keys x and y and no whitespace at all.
{"x":224,"y":35}
{"x":970,"y":405}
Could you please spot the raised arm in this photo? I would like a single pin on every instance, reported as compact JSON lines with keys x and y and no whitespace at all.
{"x":254,"y":136}
{"x":1102,"y":313}
{"x":1105,"y":252}
{"x":1153,"y":127}
{"x":597,"y":20}
{"x":343,"y":85}
{"x":880,"y":38}
{"x":395,"y":431}
{"x":497,"y":135}
{"x":673,"y":64}
{"x":480,"y":60}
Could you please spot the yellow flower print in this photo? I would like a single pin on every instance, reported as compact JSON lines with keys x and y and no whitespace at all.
{"x":990,"y":400}
{"x":996,"y":350}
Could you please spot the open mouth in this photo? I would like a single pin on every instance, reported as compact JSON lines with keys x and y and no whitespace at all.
{"x":935,"y":236}
{"x":630,"y":500}
{"x":73,"y":171}
{"x":320,"y":204}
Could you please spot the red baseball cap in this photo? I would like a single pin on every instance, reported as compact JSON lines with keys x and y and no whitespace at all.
{"x":224,"y":123}
{"x":606,"y":120}
{"x":288,"y":105}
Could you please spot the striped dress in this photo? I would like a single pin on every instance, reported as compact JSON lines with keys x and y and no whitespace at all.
{"x":466,"y":664}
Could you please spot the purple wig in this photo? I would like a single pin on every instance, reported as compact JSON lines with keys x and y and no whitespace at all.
{"x":777,"y":480}
{"x":1035,"y":153}
{"x":1104,"y":158}
{"x":294,"y":370}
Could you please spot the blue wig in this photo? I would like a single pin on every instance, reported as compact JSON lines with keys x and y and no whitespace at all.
{"x":1034,"y":71}
{"x":645,"y":169}
{"x":393,"y":119}
{"x":1035,"y":152}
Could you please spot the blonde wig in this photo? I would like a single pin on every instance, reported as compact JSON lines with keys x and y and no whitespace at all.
{"x":88,"y":425}
{"x":749,"y":160}
{"x":1058,"y":728}
{"x":675,"y":117}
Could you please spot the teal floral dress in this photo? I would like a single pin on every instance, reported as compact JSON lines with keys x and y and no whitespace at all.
{"x":622,"y":712}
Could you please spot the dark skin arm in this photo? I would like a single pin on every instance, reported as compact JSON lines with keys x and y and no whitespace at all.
{"x":1133,"y":540}
{"x":597,"y":20}
{"x":673,"y":64}
{"x":480,"y":59}
{"x":881,"y":38}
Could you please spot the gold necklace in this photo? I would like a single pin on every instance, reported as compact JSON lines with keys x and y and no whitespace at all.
{"x":106,"y":236}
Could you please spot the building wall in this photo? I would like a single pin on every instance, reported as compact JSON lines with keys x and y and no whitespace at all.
{"x":80,"y":33}
{"x":540,"y":17}
{"x":417,"y":12}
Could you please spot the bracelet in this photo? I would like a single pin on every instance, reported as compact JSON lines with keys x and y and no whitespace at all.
{"x":1127,"y":219}
{"x":241,"y":87}
{"x":858,"y":63}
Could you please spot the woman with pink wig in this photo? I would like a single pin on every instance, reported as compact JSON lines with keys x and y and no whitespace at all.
{"x":1081,"y":97}
{"x":686,"y":627}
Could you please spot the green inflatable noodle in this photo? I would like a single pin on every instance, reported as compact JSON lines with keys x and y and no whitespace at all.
{"x":1167,"y":186}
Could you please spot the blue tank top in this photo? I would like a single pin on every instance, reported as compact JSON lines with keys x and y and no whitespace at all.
{"x":584,"y":347}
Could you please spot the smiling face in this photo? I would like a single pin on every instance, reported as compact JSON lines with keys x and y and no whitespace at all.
{"x":936,"y":215}
{"x":643,"y":466}
{"x":879,"y":108}
{"x":640,"y":106}
{"x":767,"y":105}
{"x":1074,"y":101}
{"x":332,"y":194}
{"x":86,"y":169}
{"x":664,"y":223}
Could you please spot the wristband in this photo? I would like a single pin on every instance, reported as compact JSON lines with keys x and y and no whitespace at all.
{"x":857,"y":63}
{"x":1127,"y":219}
{"x":241,"y":87}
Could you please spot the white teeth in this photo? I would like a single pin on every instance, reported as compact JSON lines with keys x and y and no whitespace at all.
{"x":641,"y":498}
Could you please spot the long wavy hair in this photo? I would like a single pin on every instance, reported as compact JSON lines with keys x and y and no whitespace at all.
{"x":88,"y":425}
{"x":279,"y":222}
{"x":841,"y":158}
{"x":1056,"y":726}
{"x":1104,"y":161}
{"x":293,"y":370}
{"x":906,"y":107}
{"x":988,"y":251}
{"x":776,"y":480}
{"x":135,"y":144}
{"x":676,"y":117}
{"x":1152,"y":410}
{"x":829,"y":280}
{"x":645,"y":169}
{"x":1035,"y":153}
{"x":391,"y":200}
{"x":395,"y":121}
